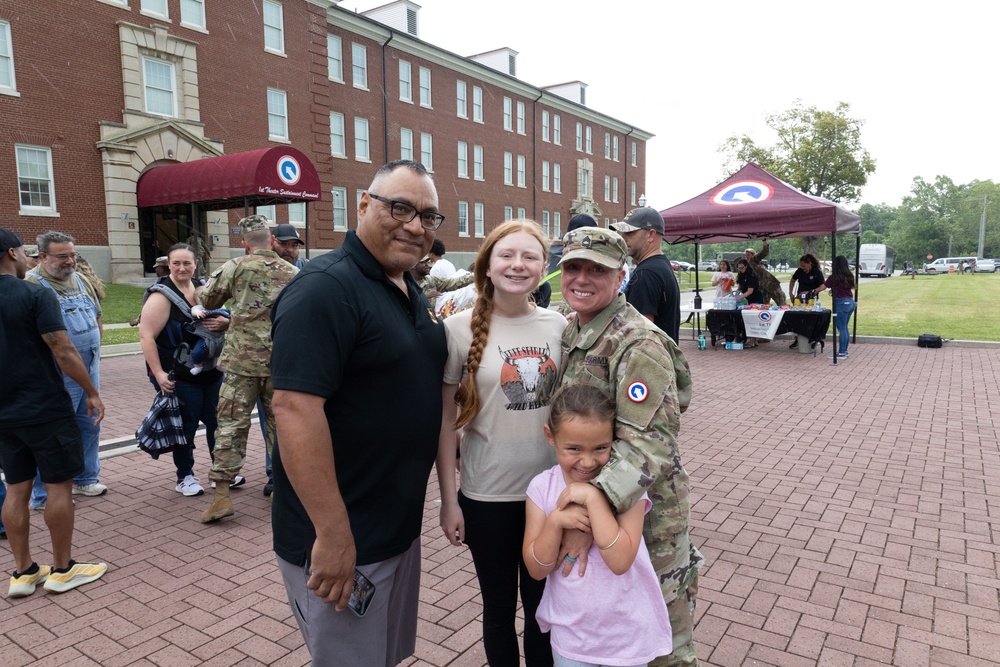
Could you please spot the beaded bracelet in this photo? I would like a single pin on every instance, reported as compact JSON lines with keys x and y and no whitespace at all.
{"x":536,"y":557}
{"x":613,"y":542}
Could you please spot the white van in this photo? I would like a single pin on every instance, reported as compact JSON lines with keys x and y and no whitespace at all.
{"x":946,"y":264}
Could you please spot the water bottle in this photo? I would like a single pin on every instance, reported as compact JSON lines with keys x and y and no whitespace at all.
{"x":701,"y":342}
{"x":819,"y":304}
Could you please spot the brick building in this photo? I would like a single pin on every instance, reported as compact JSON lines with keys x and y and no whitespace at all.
{"x":96,"y":95}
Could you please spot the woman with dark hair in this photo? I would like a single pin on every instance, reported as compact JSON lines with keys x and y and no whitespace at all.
{"x":503,"y":359}
{"x":723,"y":279}
{"x":750,"y":290}
{"x":809,"y":277}
{"x":841,"y":281}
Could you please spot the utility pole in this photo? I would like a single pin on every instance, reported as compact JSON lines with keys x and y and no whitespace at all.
{"x":982,"y":227}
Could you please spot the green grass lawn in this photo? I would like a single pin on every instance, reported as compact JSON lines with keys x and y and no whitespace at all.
{"x":121,"y":303}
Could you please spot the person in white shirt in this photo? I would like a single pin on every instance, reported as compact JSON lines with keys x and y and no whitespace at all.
{"x":441,"y":268}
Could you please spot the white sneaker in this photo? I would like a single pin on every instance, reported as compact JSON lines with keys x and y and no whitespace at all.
{"x":189,"y":486}
{"x":239,"y":480}
{"x":95,"y":489}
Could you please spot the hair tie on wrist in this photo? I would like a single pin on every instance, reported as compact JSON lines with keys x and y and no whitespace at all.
{"x":613,"y":542}
{"x":536,"y":557}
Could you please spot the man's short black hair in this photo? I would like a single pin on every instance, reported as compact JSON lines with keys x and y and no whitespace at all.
{"x":437,"y":248}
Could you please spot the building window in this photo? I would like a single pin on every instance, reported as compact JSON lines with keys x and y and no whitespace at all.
{"x":556,"y":130}
{"x":427,"y":151}
{"x":579,"y":136}
{"x":477,"y":162}
{"x":193,"y":13}
{"x":477,"y":104}
{"x":508,"y":114}
{"x":520,"y":171}
{"x":545,"y":176}
{"x":633,"y":154}
{"x":405,"y":81}
{"x":361,"y":150}
{"x":480,"y":224}
{"x":521,"y":212}
{"x":277,"y":114}
{"x":590,"y":137}
{"x":358,"y":194}
{"x":607,"y":145}
{"x":274,"y":27}
{"x":154,"y":8}
{"x":508,"y":168}
{"x":556,"y":178}
{"x":461,"y":99}
{"x":405,"y":144}
{"x":615,"y":150}
{"x":34,"y":179}
{"x":607,"y":188}
{"x":297,"y":214}
{"x":463,"y":218}
{"x":269,"y":212}
{"x":338,"y":141}
{"x":584,"y":182}
{"x":425,"y":87}
{"x":545,"y":126}
{"x":557,"y":225}
{"x":339,"y":209}
{"x":545,"y":223}
{"x":508,"y":213}
{"x":160,"y":87}
{"x":632,"y":196}
{"x":334,"y":58}
{"x":6,"y":58}
{"x":463,"y":159}
{"x":520,"y":117}
{"x":614,"y":189}
{"x":359,"y":66}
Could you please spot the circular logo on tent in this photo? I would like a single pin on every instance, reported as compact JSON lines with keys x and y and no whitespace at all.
{"x":764,"y":316}
{"x":288,"y":170}
{"x":743,"y":192}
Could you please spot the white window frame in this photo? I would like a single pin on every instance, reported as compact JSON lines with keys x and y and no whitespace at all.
{"x":508,"y":213}
{"x":274,"y":29}
{"x":338,"y":195}
{"x":362,"y":144}
{"x":607,"y":188}
{"x":338,"y":135}
{"x":521,"y":213}
{"x":425,"y":88}
{"x":545,"y":224}
{"x":463,"y":159}
{"x":334,"y":58}
{"x":48,"y":179}
{"x":556,"y":130}
{"x":520,"y":117}
{"x":405,"y":143}
{"x":521,"y":171}
{"x":634,"y":151}
{"x":297,"y":214}
{"x":545,"y":175}
{"x":461,"y":99}
{"x":579,"y":136}
{"x":477,"y":162}
{"x":146,"y":10}
{"x":7,"y":59}
{"x":557,"y":178}
{"x":479,"y":220}
{"x":477,"y":104}
{"x":359,"y":66}
{"x":590,"y":140}
{"x":199,"y":8}
{"x":632,"y":197}
{"x":427,"y":151}
{"x":607,"y":145}
{"x":615,"y":151}
{"x":270,"y":212}
{"x":146,"y":86}
{"x":614,"y":189}
{"x":557,"y":225}
{"x":463,"y":218}
{"x":508,"y":168}
{"x":508,"y":114}
{"x":405,"y":81}
{"x":545,"y":126}
{"x":277,"y":110}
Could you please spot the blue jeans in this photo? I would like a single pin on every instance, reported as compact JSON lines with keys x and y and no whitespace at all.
{"x":3,"y":497}
{"x":91,"y":433}
{"x":263,"y":431}
{"x":844,"y":308}
{"x":199,"y":403}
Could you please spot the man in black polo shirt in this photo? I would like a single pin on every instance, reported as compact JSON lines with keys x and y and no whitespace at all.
{"x":357,"y":364}
{"x":652,"y":289}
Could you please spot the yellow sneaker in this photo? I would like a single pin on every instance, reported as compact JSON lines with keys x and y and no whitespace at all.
{"x":22,"y":585}
{"x":77,"y":575}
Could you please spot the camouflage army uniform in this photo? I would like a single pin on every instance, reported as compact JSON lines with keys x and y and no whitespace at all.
{"x":769,"y":285}
{"x":621,"y":352}
{"x":252,"y":283}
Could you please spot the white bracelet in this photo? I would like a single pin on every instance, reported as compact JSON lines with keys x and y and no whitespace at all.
{"x":536,"y":557}
{"x":613,"y":542}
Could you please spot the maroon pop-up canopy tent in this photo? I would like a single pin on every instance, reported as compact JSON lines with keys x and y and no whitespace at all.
{"x":751,"y":204}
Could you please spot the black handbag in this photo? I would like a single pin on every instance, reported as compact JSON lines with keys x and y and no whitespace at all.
{"x":929,"y":340}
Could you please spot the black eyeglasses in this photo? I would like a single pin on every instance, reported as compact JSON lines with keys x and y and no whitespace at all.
{"x":403,"y":212}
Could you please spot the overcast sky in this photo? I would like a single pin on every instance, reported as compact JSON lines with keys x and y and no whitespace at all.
{"x":920,"y":75}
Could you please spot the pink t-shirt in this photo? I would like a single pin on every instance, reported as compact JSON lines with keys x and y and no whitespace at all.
{"x":601,"y":617}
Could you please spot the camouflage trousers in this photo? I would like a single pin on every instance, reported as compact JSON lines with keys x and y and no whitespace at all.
{"x":676,"y":561}
{"x":681,"y":611}
{"x":237,"y":397}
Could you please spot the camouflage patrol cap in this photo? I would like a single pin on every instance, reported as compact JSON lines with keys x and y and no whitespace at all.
{"x":252,"y":223}
{"x":163,"y":260}
{"x":31,"y":251}
{"x":598,"y":245}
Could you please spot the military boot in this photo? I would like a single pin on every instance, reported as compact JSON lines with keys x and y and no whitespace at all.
{"x":222,"y":505}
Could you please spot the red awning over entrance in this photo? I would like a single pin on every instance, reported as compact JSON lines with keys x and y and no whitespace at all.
{"x":259,"y":177}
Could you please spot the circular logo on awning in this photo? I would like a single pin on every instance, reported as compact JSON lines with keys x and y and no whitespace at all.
{"x":288,"y":170}
{"x":743,"y":192}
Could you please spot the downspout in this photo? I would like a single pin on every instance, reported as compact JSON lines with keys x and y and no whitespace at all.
{"x":385,"y":105}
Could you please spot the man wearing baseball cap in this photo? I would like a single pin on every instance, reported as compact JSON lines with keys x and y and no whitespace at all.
{"x":286,"y":242}
{"x":609,"y":345}
{"x":652,"y":289}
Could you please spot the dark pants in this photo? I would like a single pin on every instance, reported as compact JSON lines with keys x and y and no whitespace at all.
{"x":199,"y":403}
{"x":494,"y":533}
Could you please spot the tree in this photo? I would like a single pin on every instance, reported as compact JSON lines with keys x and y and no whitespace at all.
{"x":876,"y":221}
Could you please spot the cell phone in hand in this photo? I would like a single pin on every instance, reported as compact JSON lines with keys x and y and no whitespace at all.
{"x":361,"y":596}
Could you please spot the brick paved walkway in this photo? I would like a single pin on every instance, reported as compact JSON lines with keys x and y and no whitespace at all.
{"x":860,"y":530}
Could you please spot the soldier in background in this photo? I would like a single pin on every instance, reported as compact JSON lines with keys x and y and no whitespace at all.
{"x":252,"y":283}
{"x":31,"y":252}
{"x":202,"y":251}
{"x":611,"y":346}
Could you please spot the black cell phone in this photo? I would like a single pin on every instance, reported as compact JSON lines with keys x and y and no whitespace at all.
{"x":361,"y":596}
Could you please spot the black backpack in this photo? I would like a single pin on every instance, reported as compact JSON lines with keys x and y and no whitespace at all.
{"x":929,"y":340}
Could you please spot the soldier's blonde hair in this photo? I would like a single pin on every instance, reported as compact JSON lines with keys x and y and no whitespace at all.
{"x":467,"y":395}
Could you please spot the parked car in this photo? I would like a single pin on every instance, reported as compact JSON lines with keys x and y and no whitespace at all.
{"x":708,"y":265}
{"x":948,"y":264}
{"x":985,"y":266}
{"x":783,"y":266}
{"x":683,"y":266}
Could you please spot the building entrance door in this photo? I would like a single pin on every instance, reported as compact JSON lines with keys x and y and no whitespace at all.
{"x":162,"y":226}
